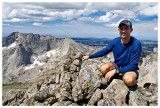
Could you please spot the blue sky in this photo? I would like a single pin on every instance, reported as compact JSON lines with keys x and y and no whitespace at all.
{"x":80,"y":19}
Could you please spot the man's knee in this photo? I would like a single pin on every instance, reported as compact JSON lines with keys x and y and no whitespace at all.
{"x":106,"y":68}
{"x":129,"y":80}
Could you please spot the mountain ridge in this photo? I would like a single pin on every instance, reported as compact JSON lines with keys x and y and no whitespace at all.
{"x":59,"y":78}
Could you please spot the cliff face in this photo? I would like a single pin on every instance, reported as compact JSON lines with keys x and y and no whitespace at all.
{"x":60,"y":78}
{"x":24,"y":53}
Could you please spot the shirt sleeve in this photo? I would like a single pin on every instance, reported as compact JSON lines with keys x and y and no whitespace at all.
{"x":134,"y":60}
{"x":104,"y":51}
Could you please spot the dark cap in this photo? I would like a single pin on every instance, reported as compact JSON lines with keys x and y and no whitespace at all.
{"x":126,"y":22}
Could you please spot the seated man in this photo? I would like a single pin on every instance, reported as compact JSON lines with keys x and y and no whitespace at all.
{"x":126,"y":50}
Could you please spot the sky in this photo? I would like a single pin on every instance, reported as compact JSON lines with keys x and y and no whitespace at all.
{"x":80,"y":19}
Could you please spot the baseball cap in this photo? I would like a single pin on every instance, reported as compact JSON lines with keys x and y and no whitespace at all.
{"x":126,"y":22}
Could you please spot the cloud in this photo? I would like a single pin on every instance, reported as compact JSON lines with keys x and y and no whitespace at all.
{"x":111,"y":25}
{"x":147,"y":29}
{"x":6,"y":24}
{"x":49,"y":11}
{"x":125,"y":14}
{"x":114,"y":24}
{"x":79,"y":18}
{"x":105,"y":18}
{"x":86,"y":19}
{"x":37,"y":24}
{"x":155,"y":28}
{"x":15,"y":20}
{"x":150,"y":11}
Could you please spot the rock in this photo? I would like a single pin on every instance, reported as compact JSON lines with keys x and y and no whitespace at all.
{"x":12,"y":98}
{"x":66,"y":67}
{"x":67,"y":77}
{"x":95,"y":98}
{"x":57,"y":78}
{"x":155,"y":50}
{"x":74,"y":76}
{"x":142,"y":56}
{"x":147,"y":96}
{"x":62,"y":78}
{"x":35,"y":51}
{"x":151,"y":90}
{"x":56,"y":104}
{"x":74,"y":83}
{"x":86,"y":84}
{"x":148,"y":72}
{"x":10,"y":39}
{"x":73,"y":68}
{"x":106,"y":102}
{"x":64,"y":103}
{"x":76,"y":62}
{"x":78,"y":55}
{"x":50,"y":100}
{"x":137,"y":98}
{"x":41,"y":95}
{"x":38,"y":104}
{"x":58,"y":95}
{"x":78,"y":69}
{"x":46,"y":81}
{"x":74,"y":104}
{"x":67,"y":64}
{"x":115,"y":94}
{"x":52,"y":79}
{"x":65,"y":91}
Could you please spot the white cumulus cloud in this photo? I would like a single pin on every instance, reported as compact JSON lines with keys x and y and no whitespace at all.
{"x":49,"y":11}
{"x":150,"y":11}
{"x":86,"y":19}
{"x":156,"y":28}
{"x":37,"y":24}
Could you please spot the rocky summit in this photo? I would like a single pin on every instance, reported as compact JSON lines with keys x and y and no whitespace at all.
{"x":44,"y":71}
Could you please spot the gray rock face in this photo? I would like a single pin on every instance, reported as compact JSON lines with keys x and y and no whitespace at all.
{"x":12,"y":98}
{"x":148,"y":72}
{"x":21,"y":50}
{"x":21,"y":56}
{"x":86,"y":84}
{"x":146,"y":96}
{"x":10,"y":39}
{"x":95,"y":98}
{"x":115,"y":94}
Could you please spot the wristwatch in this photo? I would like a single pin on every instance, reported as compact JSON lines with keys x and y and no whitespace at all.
{"x":117,"y":71}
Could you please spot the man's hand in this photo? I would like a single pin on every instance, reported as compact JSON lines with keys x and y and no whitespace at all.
{"x":85,"y":58}
{"x":110,"y":74}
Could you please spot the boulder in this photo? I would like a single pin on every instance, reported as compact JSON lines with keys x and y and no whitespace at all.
{"x":148,"y":72}
{"x":77,"y":62}
{"x":95,"y":98}
{"x":86,"y":84}
{"x":115,"y":94}
{"x":78,"y":56}
{"x":147,"y":96}
{"x":73,"y":67}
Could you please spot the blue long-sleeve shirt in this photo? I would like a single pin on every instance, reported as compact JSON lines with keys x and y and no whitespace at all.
{"x":126,"y":56}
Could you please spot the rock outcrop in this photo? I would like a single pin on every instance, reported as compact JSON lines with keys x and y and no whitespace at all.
{"x":86,"y":87}
{"x":60,"y":78}
{"x":24,"y":53}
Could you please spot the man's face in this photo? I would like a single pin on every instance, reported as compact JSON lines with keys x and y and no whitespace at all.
{"x":125,"y":31}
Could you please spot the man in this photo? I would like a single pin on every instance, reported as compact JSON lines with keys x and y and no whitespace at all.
{"x":126,"y":50}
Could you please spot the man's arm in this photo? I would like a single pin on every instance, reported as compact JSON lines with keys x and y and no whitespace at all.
{"x":135,"y":57}
{"x":100,"y":53}
{"x":104,"y":51}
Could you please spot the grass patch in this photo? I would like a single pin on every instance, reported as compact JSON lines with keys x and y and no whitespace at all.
{"x":13,"y":86}
{"x":40,"y":81}
{"x":48,"y":73}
